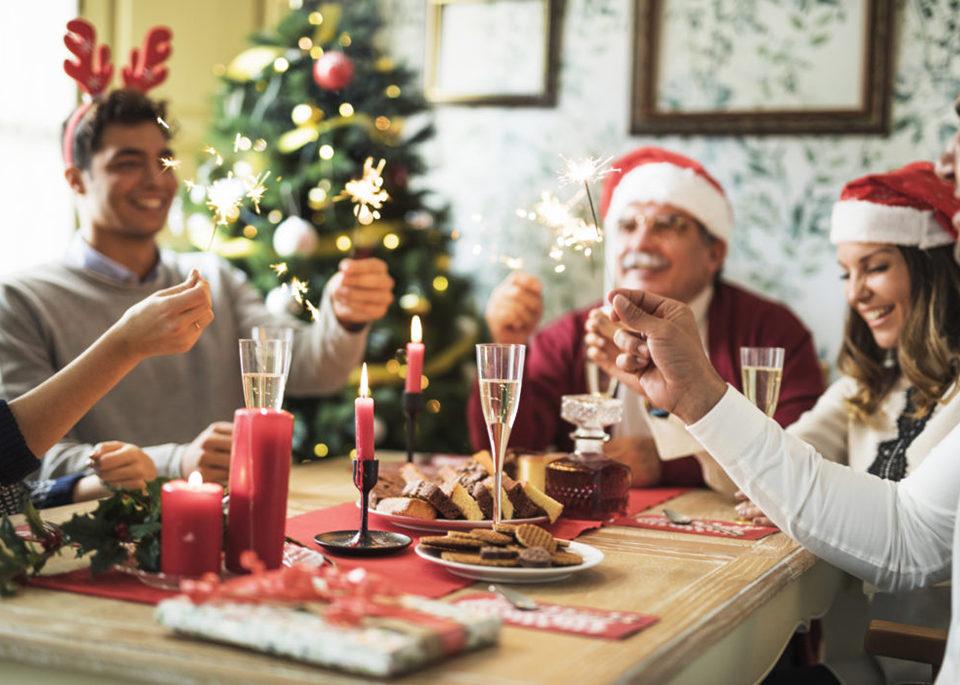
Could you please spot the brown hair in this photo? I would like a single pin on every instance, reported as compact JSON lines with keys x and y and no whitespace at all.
{"x":124,"y":106}
{"x":928,"y":352}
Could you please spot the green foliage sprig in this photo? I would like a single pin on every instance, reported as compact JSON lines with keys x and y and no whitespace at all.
{"x":125,"y":523}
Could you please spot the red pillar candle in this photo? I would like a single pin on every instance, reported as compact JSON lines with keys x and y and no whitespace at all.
{"x":363,"y":418}
{"x":415,"y":350}
{"x":191,"y":538}
{"x":259,"y":482}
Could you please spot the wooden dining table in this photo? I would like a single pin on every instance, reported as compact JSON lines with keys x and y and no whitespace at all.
{"x":726,"y":606}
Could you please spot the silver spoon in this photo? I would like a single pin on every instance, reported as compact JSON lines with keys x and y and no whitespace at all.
{"x":683,"y":520}
{"x":517,"y":599}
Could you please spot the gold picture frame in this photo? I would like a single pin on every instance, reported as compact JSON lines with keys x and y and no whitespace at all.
{"x":866,"y":64}
{"x":478,"y":52}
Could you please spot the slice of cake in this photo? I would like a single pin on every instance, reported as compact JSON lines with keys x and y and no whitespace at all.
{"x":523,"y":506}
{"x":432,"y":494}
{"x":505,"y":502}
{"x":407,"y":506}
{"x":458,"y":494}
{"x":552,"y":507}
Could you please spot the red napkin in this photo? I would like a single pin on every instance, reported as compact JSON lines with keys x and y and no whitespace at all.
{"x":641,"y":499}
{"x":407,"y":572}
{"x":556,"y":618}
{"x":111,"y":585}
{"x":718,"y":529}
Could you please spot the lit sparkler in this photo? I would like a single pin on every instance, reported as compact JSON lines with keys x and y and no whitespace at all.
{"x":170,"y":163}
{"x":584,"y":172}
{"x":366,"y":192}
{"x":280,"y":268}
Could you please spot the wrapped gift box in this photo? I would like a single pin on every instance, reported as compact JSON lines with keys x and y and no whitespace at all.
{"x":383,"y":636}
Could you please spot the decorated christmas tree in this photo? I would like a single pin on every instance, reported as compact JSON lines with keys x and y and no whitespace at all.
{"x":310,"y":102}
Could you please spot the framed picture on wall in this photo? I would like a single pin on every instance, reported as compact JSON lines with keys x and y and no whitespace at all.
{"x":491,"y":52}
{"x":765,"y":67}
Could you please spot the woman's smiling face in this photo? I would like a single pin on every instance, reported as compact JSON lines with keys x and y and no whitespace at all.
{"x":877,"y":288}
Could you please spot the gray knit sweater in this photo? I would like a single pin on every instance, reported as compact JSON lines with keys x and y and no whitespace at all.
{"x":50,"y":314}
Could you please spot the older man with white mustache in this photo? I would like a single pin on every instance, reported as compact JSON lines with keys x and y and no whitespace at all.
{"x":668,"y":223}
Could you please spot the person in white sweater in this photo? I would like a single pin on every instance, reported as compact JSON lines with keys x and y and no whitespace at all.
{"x":895,"y":535}
{"x":177,"y":408}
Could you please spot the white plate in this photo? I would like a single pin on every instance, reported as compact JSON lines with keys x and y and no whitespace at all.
{"x":497,"y":574}
{"x":431,"y":525}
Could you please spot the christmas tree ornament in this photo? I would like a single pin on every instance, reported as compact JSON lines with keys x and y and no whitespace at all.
{"x":333,"y":70}
{"x":294,"y":236}
{"x":251,"y":62}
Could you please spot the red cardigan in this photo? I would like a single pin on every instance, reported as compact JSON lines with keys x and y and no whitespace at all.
{"x":555,"y":367}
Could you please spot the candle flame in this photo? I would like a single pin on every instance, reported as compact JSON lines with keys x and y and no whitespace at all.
{"x":416,"y":330}
{"x":195,"y":480}
{"x":364,"y":385}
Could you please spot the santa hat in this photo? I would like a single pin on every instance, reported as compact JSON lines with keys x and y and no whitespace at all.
{"x":908,"y":206}
{"x":652,"y":174}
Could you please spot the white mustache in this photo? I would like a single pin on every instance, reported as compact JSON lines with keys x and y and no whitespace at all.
{"x":643,"y":260}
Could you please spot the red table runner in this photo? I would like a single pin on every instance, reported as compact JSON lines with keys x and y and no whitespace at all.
{"x":406,"y":571}
{"x":719,"y":529}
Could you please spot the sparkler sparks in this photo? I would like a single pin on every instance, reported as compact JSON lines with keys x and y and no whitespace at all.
{"x":366,"y":192}
{"x":212,"y":151}
{"x":584,"y":171}
{"x":280,"y":268}
{"x":170,"y":163}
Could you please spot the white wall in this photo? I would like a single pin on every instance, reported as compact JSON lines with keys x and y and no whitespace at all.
{"x":37,"y":97}
{"x":491,"y":160}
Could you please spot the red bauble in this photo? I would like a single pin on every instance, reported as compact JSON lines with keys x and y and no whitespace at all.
{"x":333,"y":71}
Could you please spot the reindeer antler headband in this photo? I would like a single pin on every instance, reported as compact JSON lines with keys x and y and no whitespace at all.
{"x":93,"y":70}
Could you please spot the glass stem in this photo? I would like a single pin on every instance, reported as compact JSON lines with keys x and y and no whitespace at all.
{"x":499,"y":436}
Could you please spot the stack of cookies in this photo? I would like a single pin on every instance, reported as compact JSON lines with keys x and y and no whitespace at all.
{"x":507,"y":545}
{"x":463,"y":492}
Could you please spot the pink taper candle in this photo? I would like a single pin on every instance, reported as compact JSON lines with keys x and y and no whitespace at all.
{"x":415,"y":350}
{"x":363,"y":418}
{"x":192,"y":535}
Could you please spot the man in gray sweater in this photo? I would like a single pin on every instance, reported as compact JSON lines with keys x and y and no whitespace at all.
{"x":178,"y":409}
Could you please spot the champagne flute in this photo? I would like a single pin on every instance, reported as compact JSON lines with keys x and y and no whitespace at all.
{"x":761,"y":369}
{"x":500,"y":368}
{"x":285,"y":333}
{"x":263,"y":365}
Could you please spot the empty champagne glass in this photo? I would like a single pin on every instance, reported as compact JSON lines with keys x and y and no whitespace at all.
{"x":761,"y":369}
{"x":500,"y":369}
{"x":264,"y":365}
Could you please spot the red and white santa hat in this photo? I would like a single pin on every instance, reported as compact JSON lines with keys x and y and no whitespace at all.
{"x":907,"y":206}
{"x":652,"y":174}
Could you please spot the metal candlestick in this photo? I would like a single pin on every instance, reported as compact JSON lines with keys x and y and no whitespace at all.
{"x":412,"y":404}
{"x":363,"y":542}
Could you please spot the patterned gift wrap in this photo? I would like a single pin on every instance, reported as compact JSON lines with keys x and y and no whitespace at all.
{"x":402,"y":634}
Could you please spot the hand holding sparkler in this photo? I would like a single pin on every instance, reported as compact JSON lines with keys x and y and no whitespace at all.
{"x":514,"y":309}
{"x":603,"y":351}
{"x":361,"y":292}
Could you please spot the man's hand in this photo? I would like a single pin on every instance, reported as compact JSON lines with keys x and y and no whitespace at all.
{"x":209,"y":453}
{"x":122,"y":465}
{"x":168,"y":321}
{"x":514,"y":308}
{"x":361,"y":292}
{"x":602,"y":351}
{"x":751,"y":512}
{"x":660,"y":346}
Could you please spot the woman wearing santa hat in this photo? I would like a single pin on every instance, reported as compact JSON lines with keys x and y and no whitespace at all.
{"x":900,"y":360}
{"x":667,"y":223}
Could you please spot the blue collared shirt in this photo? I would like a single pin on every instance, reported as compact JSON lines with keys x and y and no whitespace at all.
{"x":82,"y":254}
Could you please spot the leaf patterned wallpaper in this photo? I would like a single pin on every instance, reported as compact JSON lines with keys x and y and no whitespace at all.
{"x":489,"y":161}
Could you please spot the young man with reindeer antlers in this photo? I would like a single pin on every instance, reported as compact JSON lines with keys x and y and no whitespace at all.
{"x":177,"y":408}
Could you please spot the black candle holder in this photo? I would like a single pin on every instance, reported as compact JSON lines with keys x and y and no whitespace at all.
{"x":412,"y":404}
{"x":363,"y":542}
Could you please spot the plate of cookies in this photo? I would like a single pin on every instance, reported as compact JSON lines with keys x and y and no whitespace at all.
{"x":508,"y":553}
{"x":456,"y":494}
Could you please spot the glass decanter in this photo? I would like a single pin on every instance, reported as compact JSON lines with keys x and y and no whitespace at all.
{"x":587,"y":483}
